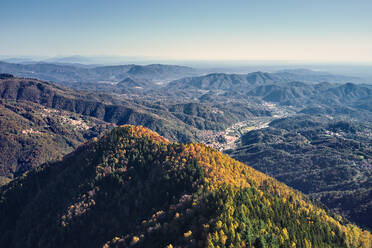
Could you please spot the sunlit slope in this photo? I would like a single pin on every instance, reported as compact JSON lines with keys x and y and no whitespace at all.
{"x":134,"y":188}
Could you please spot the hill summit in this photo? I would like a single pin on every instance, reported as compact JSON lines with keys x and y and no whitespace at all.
{"x":134,"y":188}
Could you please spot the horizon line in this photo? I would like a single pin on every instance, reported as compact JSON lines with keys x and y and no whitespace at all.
{"x":38,"y":58}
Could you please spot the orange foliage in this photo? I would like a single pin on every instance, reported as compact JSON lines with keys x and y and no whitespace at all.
{"x":221,"y":169}
{"x":141,"y":132}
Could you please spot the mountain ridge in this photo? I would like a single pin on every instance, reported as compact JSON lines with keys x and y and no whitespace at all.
{"x":80,"y":77}
{"x":180,"y":194}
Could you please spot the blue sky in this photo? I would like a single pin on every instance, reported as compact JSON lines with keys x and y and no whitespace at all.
{"x":289,"y":30}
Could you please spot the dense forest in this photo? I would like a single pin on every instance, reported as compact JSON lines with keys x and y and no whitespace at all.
{"x":134,"y":188}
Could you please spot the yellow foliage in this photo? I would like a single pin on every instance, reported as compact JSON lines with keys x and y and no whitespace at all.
{"x":187,"y":234}
{"x":135,"y":240}
{"x":223,"y":237}
{"x":285,"y":233}
{"x":140,"y":132}
{"x":221,"y":169}
{"x":307,"y":244}
{"x":219,"y":224}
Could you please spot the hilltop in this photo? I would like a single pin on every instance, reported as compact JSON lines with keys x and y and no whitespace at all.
{"x":134,"y":188}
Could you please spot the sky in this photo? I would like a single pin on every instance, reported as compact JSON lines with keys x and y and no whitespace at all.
{"x":264,"y":30}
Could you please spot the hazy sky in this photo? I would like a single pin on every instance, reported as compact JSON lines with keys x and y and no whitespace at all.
{"x":304,"y":30}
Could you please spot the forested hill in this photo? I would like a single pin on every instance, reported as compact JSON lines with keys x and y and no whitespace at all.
{"x":133,"y":188}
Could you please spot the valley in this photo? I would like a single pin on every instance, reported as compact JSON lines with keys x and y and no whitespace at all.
{"x":288,"y":123}
{"x":230,"y":137}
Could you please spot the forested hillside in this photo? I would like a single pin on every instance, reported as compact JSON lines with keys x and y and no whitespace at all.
{"x":134,"y":188}
{"x":326,"y":158}
{"x":178,"y":122}
{"x":31,"y":134}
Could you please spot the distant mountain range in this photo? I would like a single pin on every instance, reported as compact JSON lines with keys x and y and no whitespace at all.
{"x":76,"y":76}
{"x":306,"y":75}
{"x":161,"y":72}
{"x":71,"y":74}
{"x":78,"y":60}
{"x":243,"y":82}
{"x":274,"y":88}
{"x":222,"y":81}
{"x":301,"y":93}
